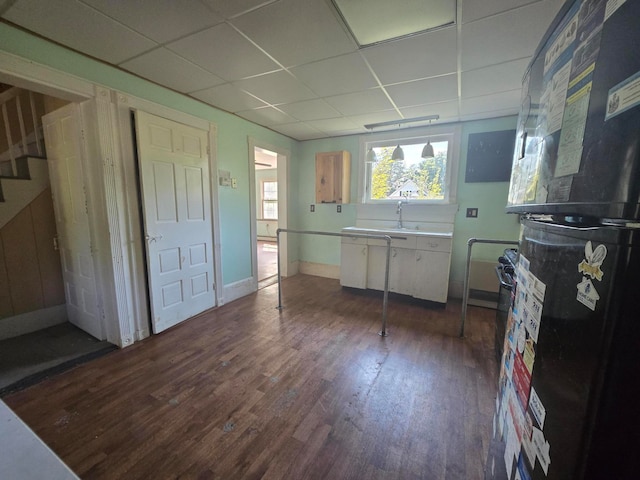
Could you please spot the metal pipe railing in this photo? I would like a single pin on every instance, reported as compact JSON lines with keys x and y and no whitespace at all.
{"x":387,"y":238}
{"x":465,"y":293}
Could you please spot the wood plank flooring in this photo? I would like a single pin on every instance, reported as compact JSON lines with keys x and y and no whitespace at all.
{"x":312,"y":392}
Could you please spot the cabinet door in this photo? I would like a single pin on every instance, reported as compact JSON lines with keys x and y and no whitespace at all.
{"x":431,"y":281}
{"x":332,"y":177}
{"x":401,"y":269}
{"x":353,"y":265}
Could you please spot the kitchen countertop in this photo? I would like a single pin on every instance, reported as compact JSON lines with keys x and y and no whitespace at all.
{"x":397,"y":231}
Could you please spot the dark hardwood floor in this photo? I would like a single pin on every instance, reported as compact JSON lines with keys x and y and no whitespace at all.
{"x":248,"y":392}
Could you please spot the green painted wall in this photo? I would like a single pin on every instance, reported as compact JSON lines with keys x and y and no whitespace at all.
{"x":233,"y":131}
{"x":489,"y":198}
{"x":315,"y":248}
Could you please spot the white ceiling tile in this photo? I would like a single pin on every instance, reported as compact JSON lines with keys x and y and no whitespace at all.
{"x":167,"y":68}
{"x":225,"y":52}
{"x":313,"y":31}
{"x":377,"y":117}
{"x":334,"y":125}
{"x":431,"y":90}
{"x":375,"y":21}
{"x":334,"y":76}
{"x":228,"y":98}
{"x":310,"y":110}
{"x":299,"y":131}
{"x":266,"y":116}
{"x":373,"y":100}
{"x":474,"y":10}
{"x":508,"y":36}
{"x":232,"y":8}
{"x":496,"y":78}
{"x":275,"y":88}
{"x":445,"y":110}
{"x":421,"y":56}
{"x":488,"y":114}
{"x":503,"y":101}
{"x":160,"y":20}
{"x":80,"y":27}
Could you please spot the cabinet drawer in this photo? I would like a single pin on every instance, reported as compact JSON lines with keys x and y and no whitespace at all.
{"x":434,"y":244}
{"x":353,"y":240}
{"x":397,"y":241}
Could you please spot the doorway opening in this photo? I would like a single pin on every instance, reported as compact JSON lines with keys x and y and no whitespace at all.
{"x":37,"y":334}
{"x":266,"y":184}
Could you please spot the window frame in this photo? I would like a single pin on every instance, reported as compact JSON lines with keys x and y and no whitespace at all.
{"x":450,"y":133}
{"x":264,"y":201}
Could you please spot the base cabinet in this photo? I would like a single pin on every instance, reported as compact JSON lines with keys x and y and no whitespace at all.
{"x":419,"y":264}
{"x":431,"y":280}
{"x":353,"y":262}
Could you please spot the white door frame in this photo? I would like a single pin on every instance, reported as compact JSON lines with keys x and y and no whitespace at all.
{"x":284,"y":157}
{"x":101,"y":164}
{"x":116,"y":218}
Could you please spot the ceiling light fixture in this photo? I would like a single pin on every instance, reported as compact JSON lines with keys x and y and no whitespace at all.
{"x":427,"y":151}
{"x":371,"y":156}
{"x":402,"y":121}
{"x":397,"y":154}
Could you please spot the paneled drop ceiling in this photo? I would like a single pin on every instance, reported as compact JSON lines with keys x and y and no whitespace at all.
{"x":292,"y":65}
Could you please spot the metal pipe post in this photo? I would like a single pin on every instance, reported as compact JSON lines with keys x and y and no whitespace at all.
{"x":465,"y":293}
{"x":387,"y":238}
{"x":385,"y":297}
{"x":279,"y":307}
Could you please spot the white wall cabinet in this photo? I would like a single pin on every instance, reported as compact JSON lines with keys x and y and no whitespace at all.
{"x":419,"y":263}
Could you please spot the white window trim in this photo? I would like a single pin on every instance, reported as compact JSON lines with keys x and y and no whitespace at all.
{"x":434,"y":133}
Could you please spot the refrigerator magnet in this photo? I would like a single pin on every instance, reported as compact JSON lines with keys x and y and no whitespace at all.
{"x":587,"y":294}
{"x":590,"y":266}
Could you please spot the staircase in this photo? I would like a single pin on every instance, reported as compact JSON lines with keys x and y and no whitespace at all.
{"x":23,"y":170}
{"x":18,"y":191}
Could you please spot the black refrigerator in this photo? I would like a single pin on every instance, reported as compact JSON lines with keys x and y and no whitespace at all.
{"x":569,"y":384}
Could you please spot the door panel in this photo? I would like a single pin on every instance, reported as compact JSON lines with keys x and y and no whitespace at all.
{"x":64,"y":157}
{"x":174,"y":168}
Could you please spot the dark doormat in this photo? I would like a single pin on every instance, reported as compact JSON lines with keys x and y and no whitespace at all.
{"x":31,"y":358}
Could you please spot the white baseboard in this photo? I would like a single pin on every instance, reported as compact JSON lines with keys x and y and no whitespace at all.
{"x":236,"y":290}
{"x":32,"y":321}
{"x":320,"y":269}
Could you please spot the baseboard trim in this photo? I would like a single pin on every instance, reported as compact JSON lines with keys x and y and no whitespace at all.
{"x":320,"y":270}
{"x":238,"y":289}
{"x":32,"y":321}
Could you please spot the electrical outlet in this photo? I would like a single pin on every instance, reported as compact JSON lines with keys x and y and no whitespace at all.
{"x":472,"y":213}
{"x":312,"y":208}
{"x":339,"y":208}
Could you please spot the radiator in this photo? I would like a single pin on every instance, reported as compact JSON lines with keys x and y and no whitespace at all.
{"x":483,"y":284}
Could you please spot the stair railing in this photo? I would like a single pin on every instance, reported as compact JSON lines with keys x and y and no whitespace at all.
{"x":13,"y":110}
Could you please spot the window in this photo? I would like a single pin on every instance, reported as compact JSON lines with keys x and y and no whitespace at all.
{"x":414,"y":179}
{"x":270,"y":200}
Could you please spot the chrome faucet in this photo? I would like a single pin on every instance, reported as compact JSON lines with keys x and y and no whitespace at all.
{"x":399,"y":212}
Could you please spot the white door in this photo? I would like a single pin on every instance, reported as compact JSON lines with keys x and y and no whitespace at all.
{"x":64,"y":155}
{"x":174,"y":176}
